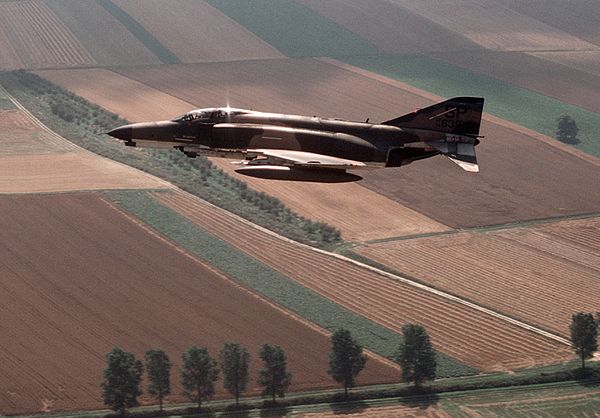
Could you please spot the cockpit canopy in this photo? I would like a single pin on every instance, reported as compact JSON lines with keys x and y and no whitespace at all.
{"x":210,"y":114}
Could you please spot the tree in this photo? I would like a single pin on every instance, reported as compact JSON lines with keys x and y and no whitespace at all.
{"x":584,"y":335}
{"x":199,"y":373}
{"x":567,"y":130}
{"x":274,"y":377}
{"x":416,"y":355}
{"x":122,"y":378}
{"x":234,"y":365}
{"x":346,"y":359}
{"x":158,"y":368}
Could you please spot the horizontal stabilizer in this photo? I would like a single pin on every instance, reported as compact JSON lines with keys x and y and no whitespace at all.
{"x":460,"y":153}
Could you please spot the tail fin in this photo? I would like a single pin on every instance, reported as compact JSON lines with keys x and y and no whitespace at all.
{"x":458,"y":116}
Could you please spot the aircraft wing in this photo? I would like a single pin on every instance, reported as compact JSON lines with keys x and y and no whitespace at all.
{"x":303,"y":159}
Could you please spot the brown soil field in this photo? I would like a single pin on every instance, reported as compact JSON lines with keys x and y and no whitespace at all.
{"x":109,"y":42}
{"x":495,"y":27}
{"x":577,"y":17}
{"x":540,"y":274}
{"x":346,"y":206}
{"x":474,"y":338}
{"x":80,"y":277}
{"x":512,"y":186}
{"x":197,"y":32}
{"x":38,"y":37}
{"x":563,"y":82}
{"x":391,"y":27}
{"x":587,"y":61}
{"x":140,"y":103}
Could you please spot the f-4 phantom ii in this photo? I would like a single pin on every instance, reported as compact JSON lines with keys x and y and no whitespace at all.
{"x":280,"y":146}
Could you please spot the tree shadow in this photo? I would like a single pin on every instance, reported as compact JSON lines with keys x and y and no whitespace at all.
{"x":421,"y":401}
{"x":274,"y":410}
{"x":588,"y":377}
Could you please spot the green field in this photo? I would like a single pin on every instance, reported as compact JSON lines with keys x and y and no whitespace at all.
{"x":294,"y":29}
{"x":521,"y":106}
{"x":263,"y":279}
{"x":5,"y":102}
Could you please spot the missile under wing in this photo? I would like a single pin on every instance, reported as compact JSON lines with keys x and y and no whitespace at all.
{"x":281,"y":146}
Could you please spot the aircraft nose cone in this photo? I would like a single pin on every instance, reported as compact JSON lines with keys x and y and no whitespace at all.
{"x":123,"y":132}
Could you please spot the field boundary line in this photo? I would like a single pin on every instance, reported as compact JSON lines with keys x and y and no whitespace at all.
{"x":486,"y":116}
{"x":395,"y":277}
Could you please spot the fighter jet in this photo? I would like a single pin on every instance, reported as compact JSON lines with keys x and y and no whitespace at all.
{"x":291,"y":147}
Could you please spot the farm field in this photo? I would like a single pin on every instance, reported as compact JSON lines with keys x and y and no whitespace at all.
{"x":460,"y":332}
{"x":576,"y":17}
{"x":501,"y":193}
{"x":34,"y":160}
{"x":540,"y":274}
{"x":82,"y":277}
{"x":495,"y":27}
{"x":33,"y":36}
{"x":391,"y":27}
{"x":197,"y":32}
{"x":587,"y":61}
{"x":139,"y":103}
{"x":562,"y":82}
{"x":106,"y":39}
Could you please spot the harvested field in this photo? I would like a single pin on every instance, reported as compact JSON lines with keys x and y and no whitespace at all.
{"x":107,"y":40}
{"x":587,"y":61}
{"x":512,"y":185}
{"x":70,"y":171}
{"x":390,"y":27}
{"x":38,"y":37}
{"x":562,"y":82}
{"x":540,"y":274}
{"x":359,"y":213}
{"x":109,"y":282}
{"x":577,"y":17}
{"x":476,"y":339}
{"x":495,"y":27}
{"x":140,"y":103}
{"x":197,"y":32}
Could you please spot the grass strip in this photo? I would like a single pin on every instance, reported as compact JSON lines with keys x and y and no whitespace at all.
{"x":258,"y":276}
{"x":294,"y":29}
{"x":524,"y":107}
{"x":137,"y":30}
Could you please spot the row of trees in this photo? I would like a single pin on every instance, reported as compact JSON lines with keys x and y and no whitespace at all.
{"x":199,"y":371}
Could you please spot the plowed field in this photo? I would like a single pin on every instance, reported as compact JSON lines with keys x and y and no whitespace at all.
{"x":38,"y":37}
{"x":577,"y":17}
{"x":128,"y":98}
{"x":469,"y":336}
{"x":515,"y":165}
{"x":107,"y":40}
{"x":541,"y":274}
{"x":391,"y":27}
{"x":79,"y":277}
{"x":196,"y":31}
{"x":495,"y":27}
{"x":563,"y":82}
